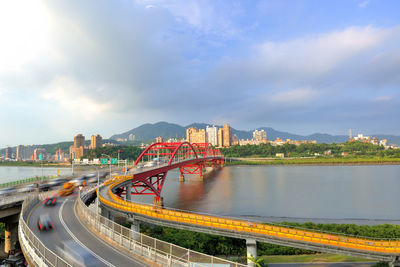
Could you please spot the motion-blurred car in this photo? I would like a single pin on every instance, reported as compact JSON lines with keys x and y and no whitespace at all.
{"x":7,"y":191}
{"x":27,"y":188}
{"x":50,"y":201}
{"x":45,"y":223}
{"x":57,"y":182}
{"x":45,"y":187}
{"x":76,"y":255}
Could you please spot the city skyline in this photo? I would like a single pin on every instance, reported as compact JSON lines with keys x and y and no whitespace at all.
{"x":300,"y":67}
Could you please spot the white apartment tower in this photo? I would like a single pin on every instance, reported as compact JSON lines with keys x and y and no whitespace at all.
{"x":259,"y":135}
{"x":212,"y":135}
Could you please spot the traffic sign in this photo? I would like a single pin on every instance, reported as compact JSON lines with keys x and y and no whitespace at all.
{"x":104,"y":161}
{"x":114,"y":161}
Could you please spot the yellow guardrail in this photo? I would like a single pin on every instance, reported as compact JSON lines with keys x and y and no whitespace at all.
{"x":372,"y":245}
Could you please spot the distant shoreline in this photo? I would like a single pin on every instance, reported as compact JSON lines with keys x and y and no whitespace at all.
{"x":45,"y":165}
{"x":321,"y":162}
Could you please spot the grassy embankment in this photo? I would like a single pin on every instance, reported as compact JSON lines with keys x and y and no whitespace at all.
{"x":235,"y":249}
{"x":317,"y":161}
{"x":314,"y":258}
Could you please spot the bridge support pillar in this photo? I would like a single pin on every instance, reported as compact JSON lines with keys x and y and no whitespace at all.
{"x":107,"y":213}
{"x":10,"y":236}
{"x":181,"y":178}
{"x":110,"y":216}
{"x":251,"y":245}
{"x":135,"y":226}
{"x":395,"y":262}
{"x":158,"y":202}
{"x":128,"y":195}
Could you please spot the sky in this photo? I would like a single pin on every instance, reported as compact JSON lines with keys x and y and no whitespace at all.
{"x":96,"y":66}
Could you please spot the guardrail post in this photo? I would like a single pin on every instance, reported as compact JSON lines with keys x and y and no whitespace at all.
{"x":155,"y":250}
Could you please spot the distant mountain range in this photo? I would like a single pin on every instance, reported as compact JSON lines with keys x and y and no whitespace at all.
{"x":148,"y":131}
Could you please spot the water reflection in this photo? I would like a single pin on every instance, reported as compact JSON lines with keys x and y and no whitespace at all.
{"x":337,"y":192}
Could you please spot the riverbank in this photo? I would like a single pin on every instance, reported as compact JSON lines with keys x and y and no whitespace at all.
{"x":33,"y":164}
{"x":315,"y":161}
{"x":313,"y":258}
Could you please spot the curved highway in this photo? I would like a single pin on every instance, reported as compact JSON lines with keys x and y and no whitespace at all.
{"x":67,"y":226}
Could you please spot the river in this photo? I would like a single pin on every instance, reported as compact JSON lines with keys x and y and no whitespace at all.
{"x":8,"y":174}
{"x":341,"y":194}
{"x":363,"y":194}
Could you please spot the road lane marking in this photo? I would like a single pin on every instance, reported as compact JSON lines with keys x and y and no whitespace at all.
{"x":77,"y":240}
{"x":105,"y":243}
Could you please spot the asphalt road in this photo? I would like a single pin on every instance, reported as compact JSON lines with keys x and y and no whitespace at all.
{"x":67,"y":226}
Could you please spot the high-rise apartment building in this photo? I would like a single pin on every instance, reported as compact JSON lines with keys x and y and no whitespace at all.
{"x":79,"y":141}
{"x":212,"y":135}
{"x":194,"y":135}
{"x":259,"y":135}
{"x":39,"y":154}
{"x":227,"y":132}
{"x":95,"y":141}
{"x":28,"y":155}
{"x":159,"y":139}
{"x":59,"y":156}
{"x":131,"y":137}
{"x":8,"y":154}
{"x":20,"y":153}
{"x":220,"y":137}
{"x":78,"y":149}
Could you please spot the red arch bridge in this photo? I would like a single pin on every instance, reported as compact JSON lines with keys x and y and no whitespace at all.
{"x":148,"y":175}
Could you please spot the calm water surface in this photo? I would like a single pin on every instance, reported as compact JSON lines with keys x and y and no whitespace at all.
{"x":8,"y":174}
{"x":359,"y":194}
{"x":297,"y":192}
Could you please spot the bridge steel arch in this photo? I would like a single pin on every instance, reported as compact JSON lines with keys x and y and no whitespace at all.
{"x":188,"y":158}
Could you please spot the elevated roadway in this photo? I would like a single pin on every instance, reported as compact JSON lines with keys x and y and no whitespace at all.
{"x":69,"y":227}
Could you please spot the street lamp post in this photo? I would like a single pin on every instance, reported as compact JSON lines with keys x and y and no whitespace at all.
{"x":118,"y":156}
{"x":109,"y":157}
{"x":98,"y":188}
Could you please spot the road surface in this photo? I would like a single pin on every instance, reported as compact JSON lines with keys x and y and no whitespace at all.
{"x":67,"y":226}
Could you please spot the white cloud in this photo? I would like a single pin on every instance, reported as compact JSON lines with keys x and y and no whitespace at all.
{"x":72,"y":98}
{"x":24,"y":33}
{"x":383,"y":98}
{"x":364,"y":4}
{"x":296,"y":97}
{"x":311,"y":57}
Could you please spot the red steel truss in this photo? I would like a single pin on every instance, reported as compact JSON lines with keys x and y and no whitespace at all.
{"x":162,"y":157}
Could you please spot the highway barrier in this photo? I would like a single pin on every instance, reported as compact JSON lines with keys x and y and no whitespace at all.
{"x":36,"y":253}
{"x":384,"y":247}
{"x":154,"y":250}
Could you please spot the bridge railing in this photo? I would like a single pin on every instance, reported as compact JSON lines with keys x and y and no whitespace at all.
{"x":155,"y":250}
{"x":36,"y":252}
{"x":378,"y":246}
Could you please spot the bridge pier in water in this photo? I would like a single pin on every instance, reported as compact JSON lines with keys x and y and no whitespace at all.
{"x":251,"y":246}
